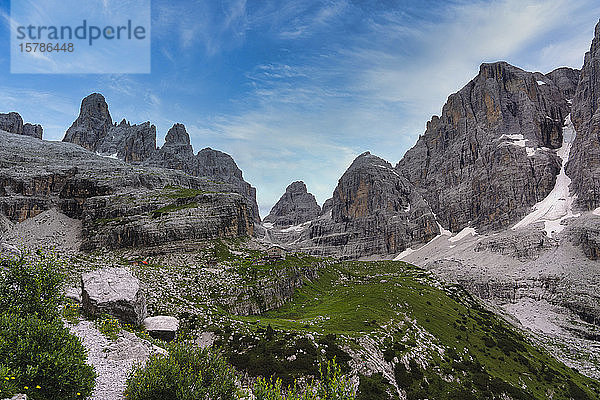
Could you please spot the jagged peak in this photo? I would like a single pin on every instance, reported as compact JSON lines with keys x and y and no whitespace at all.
{"x":366,"y":159}
{"x":297,"y":186}
{"x":177,"y":135}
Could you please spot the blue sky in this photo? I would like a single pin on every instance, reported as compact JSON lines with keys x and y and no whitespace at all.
{"x":294,"y":90}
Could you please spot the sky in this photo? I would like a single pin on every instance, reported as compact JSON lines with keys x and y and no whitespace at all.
{"x":296,"y":89}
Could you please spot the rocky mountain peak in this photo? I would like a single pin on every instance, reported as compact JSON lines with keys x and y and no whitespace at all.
{"x":487,"y":159}
{"x":92,"y":125}
{"x":296,"y":206}
{"x":177,"y":135}
{"x":584,"y":162}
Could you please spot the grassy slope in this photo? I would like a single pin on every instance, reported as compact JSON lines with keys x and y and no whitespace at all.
{"x":479,"y":350}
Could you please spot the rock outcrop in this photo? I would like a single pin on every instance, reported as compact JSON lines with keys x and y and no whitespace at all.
{"x":113,"y":291}
{"x":94,"y":130}
{"x":130,"y":143}
{"x":32,"y":130}
{"x":13,"y":123}
{"x":490,"y":156}
{"x":584,"y":163}
{"x":119,"y":204}
{"x":295,"y":207}
{"x":92,"y":125}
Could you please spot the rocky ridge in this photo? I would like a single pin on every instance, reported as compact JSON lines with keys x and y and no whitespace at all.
{"x":94,"y":130}
{"x":118,"y":204}
{"x":13,"y":123}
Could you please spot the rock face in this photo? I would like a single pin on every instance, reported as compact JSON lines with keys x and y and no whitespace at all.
{"x":162,"y":327}
{"x":584,"y":163}
{"x":92,"y":125}
{"x":114,"y":291}
{"x":94,"y":130}
{"x":118,"y":204}
{"x":489,"y":157}
{"x":295,"y":207}
{"x":221,"y":167}
{"x":130,"y":143}
{"x":13,"y":123}
{"x":374,"y":210}
{"x":35,"y":131}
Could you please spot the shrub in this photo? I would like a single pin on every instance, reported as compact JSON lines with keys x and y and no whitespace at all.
{"x":332,"y":386}
{"x":46,"y":361}
{"x":8,"y":386}
{"x":31,"y":285}
{"x":187,"y":372}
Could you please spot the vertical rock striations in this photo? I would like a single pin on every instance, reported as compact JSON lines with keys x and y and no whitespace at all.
{"x":295,"y":207}
{"x":489,"y":157}
{"x":92,"y":125}
{"x":373,"y":211}
{"x":94,"y":130}
{"x":13,"y":123}
{"x":584,"y":163}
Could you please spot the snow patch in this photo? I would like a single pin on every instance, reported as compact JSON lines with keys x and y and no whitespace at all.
{"x":462,"y":234}
{"x":596,"y":211}
{"x":268,"y":225}
{"x":558,"y":205}
{"x":540,"y":83}
{"x":296,"y":228}
{"x":405,"y":253}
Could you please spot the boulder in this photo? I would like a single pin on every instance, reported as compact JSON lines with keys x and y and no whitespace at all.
{"x":162,"y":327}
{"x":113,"y":291}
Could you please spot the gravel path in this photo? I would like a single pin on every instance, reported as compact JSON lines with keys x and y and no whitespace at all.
{"x":112,"y":360}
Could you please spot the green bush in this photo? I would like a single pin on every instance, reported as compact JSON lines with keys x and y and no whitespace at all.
{"x":332,"y":386}
{"x":31,"y":285}
{"x":187,"y":372}
{"x":8,"y":384}
{"x":46,"y":361}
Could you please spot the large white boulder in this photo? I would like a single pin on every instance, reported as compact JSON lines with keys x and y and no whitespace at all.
{"x":113,"y":291}
{"x":162,"y":327}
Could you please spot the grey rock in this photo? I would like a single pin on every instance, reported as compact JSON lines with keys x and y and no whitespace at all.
{"x":177,"y":136}
{"x":566,"y":79}
{"x":118,"y":203}
{"x":374,"y":211}
{"x":35,"y":131}
{"x":162,"y":327}
{"x":114,"y":291}
{"x":94,"y":130}
{"x":327,"y":206}
{"x":295,"y":207}
{"x":584,"y":162}
{"x":177,"y":152}
{"x":130,"y":143}
{"x":12,"y":123}
{"x":18,"y":397}
{"x":524,"y":245}
{"x":585,"y":233}
{"x":92,"y":125}
{"x":472,"y":164}
{"x":8,"y":250}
